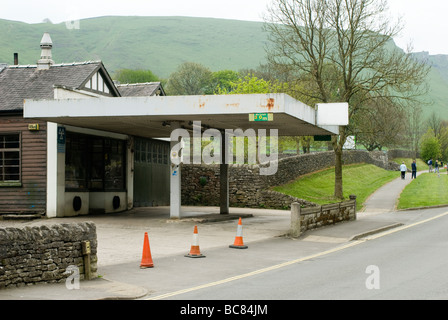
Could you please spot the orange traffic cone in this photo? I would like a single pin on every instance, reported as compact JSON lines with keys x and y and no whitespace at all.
{"x":238,"y":244}
{"x":194,"y":251}
{"x":146,"y":257}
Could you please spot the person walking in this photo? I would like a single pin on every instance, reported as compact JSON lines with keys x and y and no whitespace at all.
{"x":436,"y":168}
{"x":414,"y":170}
{"x":403,"y":170}
{"x":430,"y":165}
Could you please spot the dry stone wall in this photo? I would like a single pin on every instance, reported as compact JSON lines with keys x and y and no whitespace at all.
{"x":42,"y":254}
{"x":320,"y":216}
{"x":303,"y":219}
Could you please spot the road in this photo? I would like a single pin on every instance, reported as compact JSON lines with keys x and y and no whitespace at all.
{"x":407,"y":263}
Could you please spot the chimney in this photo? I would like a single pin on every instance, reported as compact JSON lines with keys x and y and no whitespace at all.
{"x":16,"y":59}
{"x":45,"y":61}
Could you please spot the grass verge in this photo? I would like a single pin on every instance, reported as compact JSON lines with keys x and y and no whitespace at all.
{"x":359,"y":179}
{"x":427,"y":190}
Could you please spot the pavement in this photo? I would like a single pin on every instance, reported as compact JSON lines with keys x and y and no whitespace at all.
{"x":120,"y":243}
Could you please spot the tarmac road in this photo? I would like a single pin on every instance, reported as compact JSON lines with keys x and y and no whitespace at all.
{"x":407,"y":263}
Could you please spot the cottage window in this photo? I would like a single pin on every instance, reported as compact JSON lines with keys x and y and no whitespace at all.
{"x":10,"y":157}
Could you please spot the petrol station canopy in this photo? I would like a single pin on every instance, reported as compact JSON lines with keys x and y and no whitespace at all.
{"x":152,"y":117}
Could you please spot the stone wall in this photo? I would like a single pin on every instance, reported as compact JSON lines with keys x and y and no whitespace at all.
{"x":394,"y":153}
{"x":303,"y":219}
{"x":247,"y":188}
{"x":42,"y":254}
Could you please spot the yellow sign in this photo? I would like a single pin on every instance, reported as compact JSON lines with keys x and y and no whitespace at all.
{"x":33,"y":127}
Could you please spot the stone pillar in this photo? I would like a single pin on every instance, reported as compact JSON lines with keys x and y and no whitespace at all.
{"x":353,"y":198}
{"x":295,"y":220}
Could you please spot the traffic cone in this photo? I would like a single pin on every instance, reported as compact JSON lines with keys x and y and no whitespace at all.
{"x":238,"y":244}
{"x":194,"y":251}
{"x":146,"y":257}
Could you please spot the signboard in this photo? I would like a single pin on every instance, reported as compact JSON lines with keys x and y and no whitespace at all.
{"x":261,"y":117}
{"x":33,"y":127}
{"x":322,"y":138}
{"x":61,"y":139}
{"x":332,"y":114}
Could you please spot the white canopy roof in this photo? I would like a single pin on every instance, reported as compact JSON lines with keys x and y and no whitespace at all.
{"x":151,"y":116}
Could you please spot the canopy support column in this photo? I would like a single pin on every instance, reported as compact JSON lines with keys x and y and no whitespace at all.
{"x":175,"y":181}
{"x":224,"y":176}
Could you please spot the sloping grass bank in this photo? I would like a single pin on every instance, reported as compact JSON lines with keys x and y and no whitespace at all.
{"x":360,"y":179}
{"x":427,"y":190}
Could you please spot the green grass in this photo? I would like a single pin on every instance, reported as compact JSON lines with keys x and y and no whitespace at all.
{"x":360,"y":179}
{"x":425,"y":191}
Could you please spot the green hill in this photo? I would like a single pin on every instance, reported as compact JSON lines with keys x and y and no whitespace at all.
{"x":156,"y":43}
{"x":438,"y":83}
{"x":162,"y":43}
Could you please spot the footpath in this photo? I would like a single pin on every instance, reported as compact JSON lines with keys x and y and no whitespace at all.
{"x":120,"y":244}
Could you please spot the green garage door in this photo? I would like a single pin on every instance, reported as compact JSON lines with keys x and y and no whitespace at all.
{"x":151,"y":173}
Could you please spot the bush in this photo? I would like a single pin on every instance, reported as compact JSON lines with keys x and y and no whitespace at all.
{"x":430,"y":147}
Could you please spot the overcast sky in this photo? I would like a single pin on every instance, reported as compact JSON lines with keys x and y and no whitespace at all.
{"x":426,"y":21}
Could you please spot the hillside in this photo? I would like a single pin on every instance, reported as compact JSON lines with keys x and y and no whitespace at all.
{"x":162,"y":43}
{"x":156,"y":43}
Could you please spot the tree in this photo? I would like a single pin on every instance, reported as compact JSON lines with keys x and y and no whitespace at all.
{"x":247,"y":85}
{"x":443,"y":140}
{"x":434,"y":122}
{"x":190,"y":78}
{"x":135,"y":76}
{"x":414,"y":127}
{"x":268,"y":72}
{"x":341,"y":50}
{"x":223,"y":81}
{"x":439,"y":129}
{"x":380,"y":123}
{"x":430,"y":146}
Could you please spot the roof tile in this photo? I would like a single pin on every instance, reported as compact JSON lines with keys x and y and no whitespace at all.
{"x":26,"y":82}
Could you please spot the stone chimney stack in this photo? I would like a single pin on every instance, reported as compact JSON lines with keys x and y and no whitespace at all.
{"x":45,"y":60}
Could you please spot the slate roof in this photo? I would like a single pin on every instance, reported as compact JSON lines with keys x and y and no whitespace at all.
{"x":140,"y":89}
{"x":26,"y":82}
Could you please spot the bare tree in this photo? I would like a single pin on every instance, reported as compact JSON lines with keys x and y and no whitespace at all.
{"x":380,"y":123}
{"x":434,"y":122}
{"x":343,"y":50}
{"x":415,"y":127}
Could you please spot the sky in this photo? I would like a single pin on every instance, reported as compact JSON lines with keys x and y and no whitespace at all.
{"x":425,"y":21}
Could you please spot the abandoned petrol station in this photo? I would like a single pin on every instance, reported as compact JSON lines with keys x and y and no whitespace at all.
{"x":156,"y":117}
{"x":107,"y":150}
